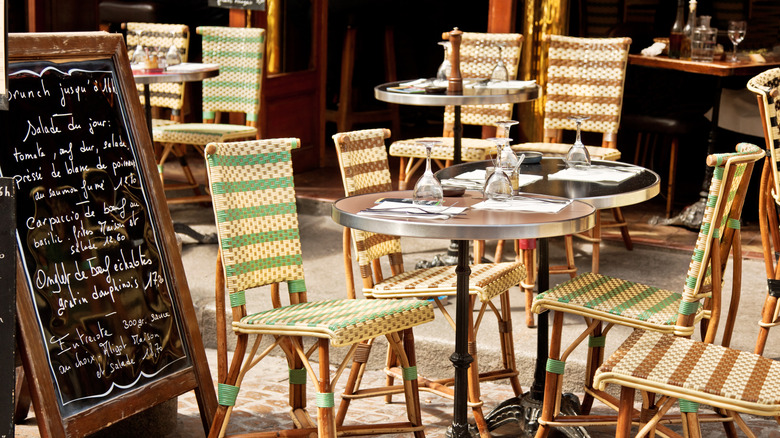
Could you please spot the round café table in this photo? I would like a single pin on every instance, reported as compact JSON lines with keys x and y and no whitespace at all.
{"x":638,"y":188}
{"x":475,"y":224}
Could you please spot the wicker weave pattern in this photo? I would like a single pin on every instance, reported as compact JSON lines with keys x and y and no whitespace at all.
{"x":166,"y":95}
{"x":472,"y":149}
{"x":560,"y":150}
{"x":239,"y":51}
{"x":765,"y":85}
{"x":202,"y":133}
{"x":345,"y":322}
{"x":487,"y":280}
{"x":704,"y":373}
{"x":585,"y":77}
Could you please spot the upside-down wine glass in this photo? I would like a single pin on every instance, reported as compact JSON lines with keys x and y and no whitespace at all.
{"x":139,"y":55}
{"x":443,"y":73}
{"x":498,"y":186}
{"x":737,"y":31}
{"x":578,"y":156}
{"x":500,"y":73}
{"x":427,"y":190}
{"x":173,"y":57}
{"x":509,"y":159}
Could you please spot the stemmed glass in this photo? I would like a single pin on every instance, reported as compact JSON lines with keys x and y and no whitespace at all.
{"x":173,"y":57}
{"x":500,"y":73}
{"x":737,"y":31}
{"x":139,"y":55}
{"x":427,"y":190}
{"x":509,"y":159}
{"x":498,"y":186}
{"x":443,"y":73}
{"x":578,"y":156}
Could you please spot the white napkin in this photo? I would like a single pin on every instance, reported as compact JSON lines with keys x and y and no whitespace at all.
{"x":187,"y":66}
{"x":406,"y":210}
{"x":595,"y":174}
{"x":654,"y":50}
{"x":515,"y":85}
{"x":522,"y":203}
{"x":476,"y":180}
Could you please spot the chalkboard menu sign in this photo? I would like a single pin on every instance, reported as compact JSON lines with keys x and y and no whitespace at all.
{"x":94,"y":242}
{"x":257,"y":5}
{"x":7,"y":308}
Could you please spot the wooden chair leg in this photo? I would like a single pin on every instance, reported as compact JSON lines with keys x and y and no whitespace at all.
{"x":326,"y":421}
{"x":569,"y":248}
{"x":402,"y":173}
{"x":617,"y":213}
{"x":625,"y":412}
{"x":596,"y":233}
{"x":528,"y":257}
{"x":672,"y":176}
{"x":507,"y":342}
{"x":594,"y":359}
{"x":413,"y":410}
{"x":499,"y":251}
{"x":552,"y":380}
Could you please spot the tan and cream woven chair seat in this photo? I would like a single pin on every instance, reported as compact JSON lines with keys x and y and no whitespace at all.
{"x":202,"y":133}
{"x":259,"y":249}
{"x":472,"y":149}
{"x":487,"y":281}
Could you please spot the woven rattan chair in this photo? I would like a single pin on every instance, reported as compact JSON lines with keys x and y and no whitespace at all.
{"x":257,"y":223}
{"x":479,"y":53}
{"x":239,"y":52}
{"x":364,"y":169}
{"x":168,"y":95}
{"x":601,"y":299}
{"x":766,"y":88}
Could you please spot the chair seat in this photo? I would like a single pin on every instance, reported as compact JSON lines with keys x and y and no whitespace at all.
{"x":702,"y":373}
{"x":202,"y":133}
{"x":682,"y":125}
{"x":472,"y":149}
{"x":487,"y":280}
{"x":344,"y":322}
{"x":560,"y":150}
{"x":614,"y":300}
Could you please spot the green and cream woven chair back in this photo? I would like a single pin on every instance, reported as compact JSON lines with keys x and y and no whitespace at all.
{"x":767,"y":86}
{"x":585,"y":77}
{"x":240,"y":53}
{"x":164,"y":95}
{"x":364,"y":169}
{"x":259,"y":240}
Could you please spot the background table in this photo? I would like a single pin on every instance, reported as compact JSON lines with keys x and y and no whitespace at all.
{"x":474,"y":225}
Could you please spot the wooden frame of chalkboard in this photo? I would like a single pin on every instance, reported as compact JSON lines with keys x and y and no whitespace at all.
{"x":106,"y":323}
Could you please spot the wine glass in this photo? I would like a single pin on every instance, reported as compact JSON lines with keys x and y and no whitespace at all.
{"x":505,"y":125}
{"x":139,"y":55}
{"x":737,"y":31}
{"x":578,"y":156}
{"x":173,"y":57}
{"x":443,"y":73}
{"x":427,"y":190}
{"x":500,"y":73}
{"x":498,"y":186}
{"x":509,"y":159}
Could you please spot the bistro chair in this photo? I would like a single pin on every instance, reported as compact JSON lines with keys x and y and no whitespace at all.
{"x":765,"y":85}
{"x":239,"y":52}
{"x":168,"y":95}
{"x":259,"y":245}
{"x":602,"y":299}
{"x":479,"y":53}
{"x":364,"y":169}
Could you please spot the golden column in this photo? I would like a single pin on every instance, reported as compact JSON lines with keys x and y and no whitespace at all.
{"x":542,"y":17}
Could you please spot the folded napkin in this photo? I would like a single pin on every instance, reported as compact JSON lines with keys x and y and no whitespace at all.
{"x":407,"y":210}
{"x":654,"y":50}
{"x":515,"y":85}
{"x":476,"y":180}
{"x":596,"y":174}
{"x":187,"y":66}
{"x":523,"y":203}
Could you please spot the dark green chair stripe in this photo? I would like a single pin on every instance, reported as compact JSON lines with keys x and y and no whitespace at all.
{"x":711,"y":201}
{"x":325,"y":400}
{"x":634,"y":300}
{"x":239,"y":69}
{"x":226,"y":394}
{"x":255,"y":211}
{"x":691,"y":282}
{"x":236,"y":39}
{"x":688,"y":406}
{"x":231,"y":54}
{"x":251,"y":186}
{"x":232,"y":84}
{"x":410,"y":373}
{"x":251,"y":117}
{"x":582,"y":290}
{"x":237,"y":299}
{"x":297,"y":377}
{"x":688,"y":308}
{"x":267,"y":263}
{"x":705,"y":228}
{"x":597,"y":341}
{"x":219,"y":99}
{"x":296,"y":286}
{"x":256,"y":238}
{"x":253,"y":160}
{"x":555,"y":366}
{"x":207,"y":115}
{"x":670,"y":300}
{"x":698,"y":254}
{"x":718,"y":172}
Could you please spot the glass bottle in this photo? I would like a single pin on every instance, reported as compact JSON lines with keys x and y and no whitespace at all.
{"x":676,"y":36}
{"x":690,"y":26}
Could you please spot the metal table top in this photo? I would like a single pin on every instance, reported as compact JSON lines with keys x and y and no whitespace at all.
{"x":470,"y":96}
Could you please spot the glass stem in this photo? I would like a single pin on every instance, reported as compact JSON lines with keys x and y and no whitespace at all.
{"x":428,"y":161}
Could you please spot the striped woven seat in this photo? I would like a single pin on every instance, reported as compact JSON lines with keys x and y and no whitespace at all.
{"x":602,"y":299}
{"x":364,"y":169}
{"x":479,"y":53}
{"x":694,"y":373}
{"x":765,"y":85}
{"x":239,"y":52}
{"x":259,"y":245}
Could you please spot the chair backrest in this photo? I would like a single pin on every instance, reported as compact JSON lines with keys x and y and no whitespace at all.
{"x":364,"y":169}
{"x":479,"y":53}
{"x":240,"y":53}
{"x":155,"y":35}
{"x":767,"y":86}
{"x":585,"y":77}
{"x":716,"y":239}
{"x":257,"y":222}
